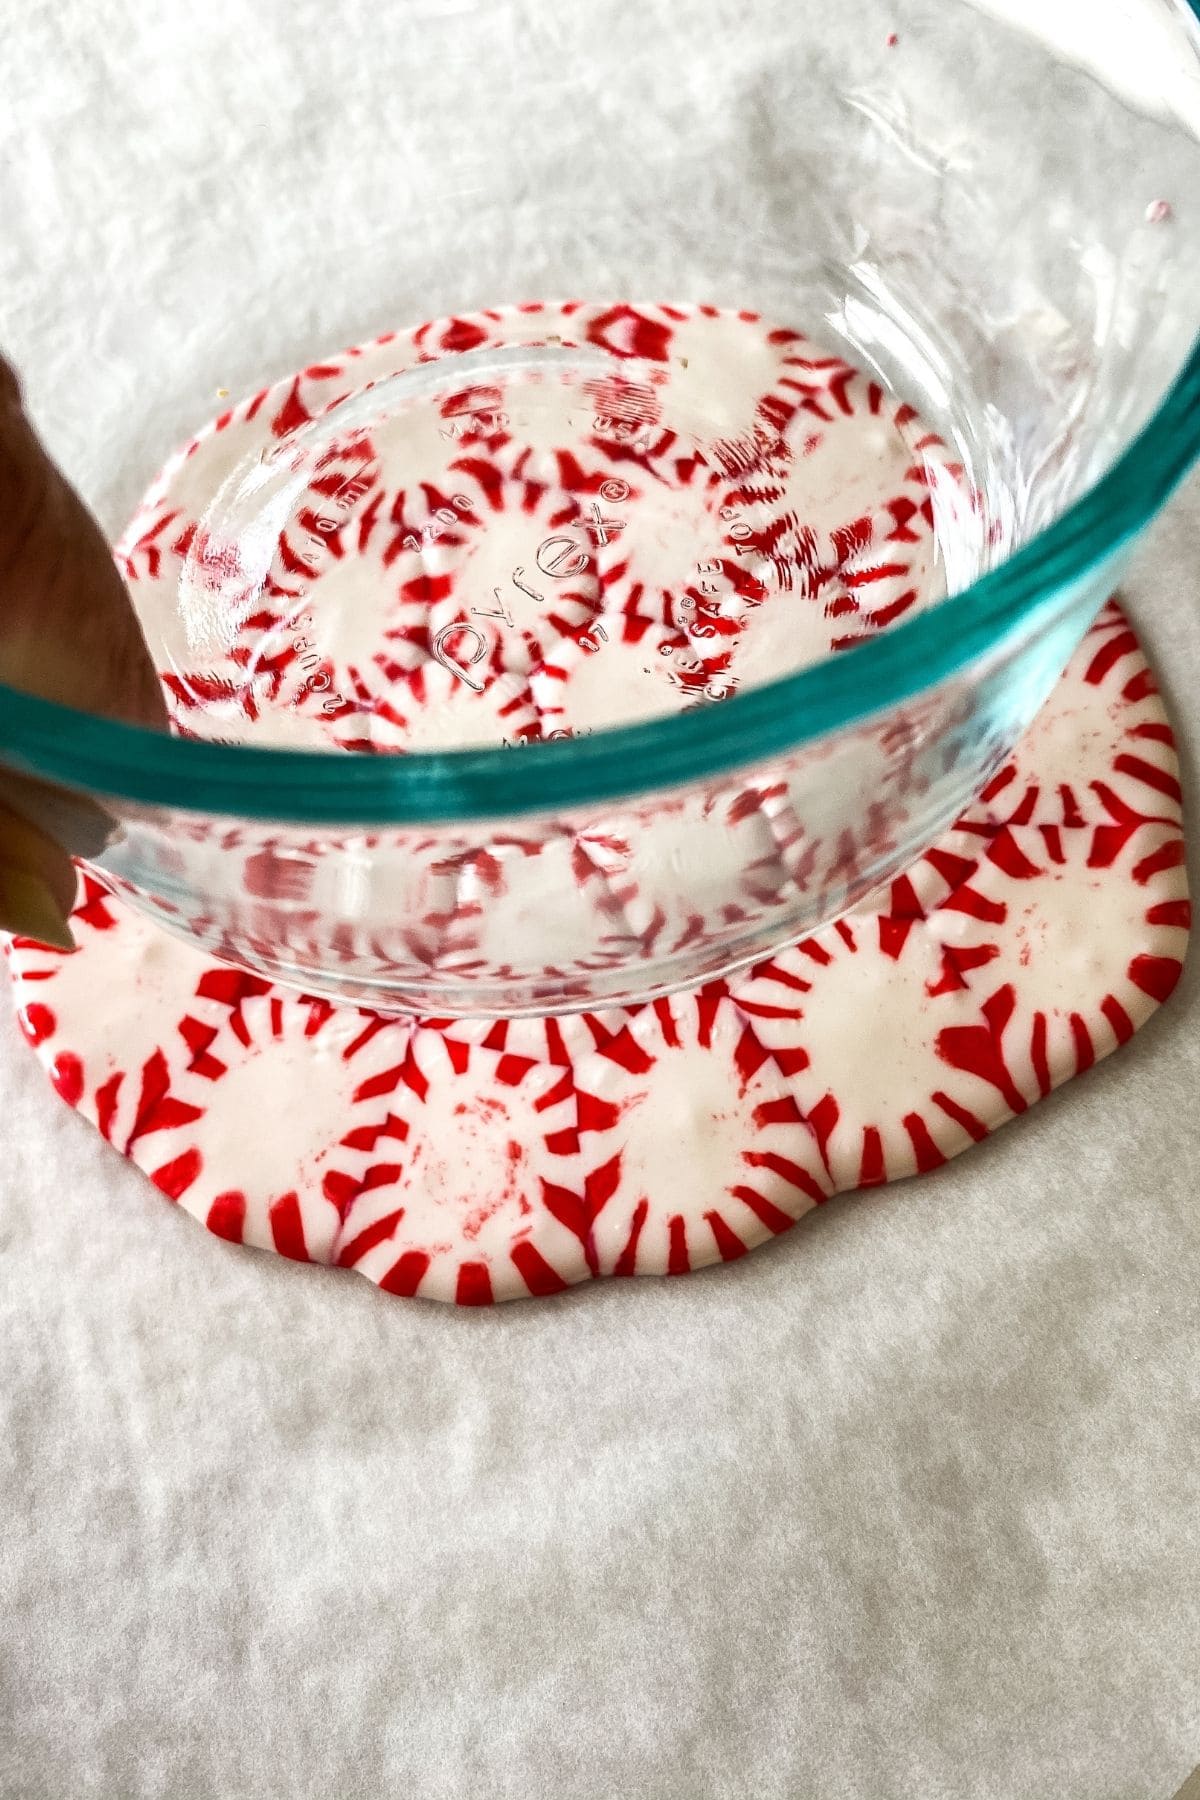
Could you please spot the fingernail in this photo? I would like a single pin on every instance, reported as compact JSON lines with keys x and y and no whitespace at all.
{"x":29,"y":909}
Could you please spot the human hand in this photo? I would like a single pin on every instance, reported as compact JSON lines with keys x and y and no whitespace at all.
{"x":67,"y":633}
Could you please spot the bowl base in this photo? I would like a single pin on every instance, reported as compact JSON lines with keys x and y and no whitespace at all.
{"x":538,"y":522}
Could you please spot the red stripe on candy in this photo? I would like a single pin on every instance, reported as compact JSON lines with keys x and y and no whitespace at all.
{"x":678,"y":1260}
{"x":177,"y":1176}
{"x":775,"y":1220}
{"x":1171,"y":912}
{"x":977,"y":1049}
{"x":1085,"y":1054}
{"x":1168,"y":856}
{"x":729,"y":1245}
{"x":535,"y":1271}
{"x":872,"y":1170}
{"x":975,"y":1129}
{"x":1109,"y":655}
{"x":375,"y":1233}
{"x":474,"y":1285}
{"x":66,"y":1075}
{"x":227,"y":1216}
{"x":1155,"y":975}
{"x":406,"y":1275}
{"x":626,"y":1263}
{"x":1149,"y":776}
{"x":792,"y":1172}
{"x":924,"y":1149}
{"x":106,"y":1104}
{"x":1037,"y":1053}
{"x":287,"y":1228}
{"x":1118,"y":1018}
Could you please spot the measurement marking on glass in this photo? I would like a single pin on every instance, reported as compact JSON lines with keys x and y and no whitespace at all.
{"x":443,"y":656}
{"x":343,"y":500}
{"x":500,"y":611}
{"x":559,"y":556}
{"x":443,"y":519}
{"x":316,"y":677}
{"x":517,"y":582}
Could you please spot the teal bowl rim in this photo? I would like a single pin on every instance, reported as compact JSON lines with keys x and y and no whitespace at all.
{"x":126,"y":763}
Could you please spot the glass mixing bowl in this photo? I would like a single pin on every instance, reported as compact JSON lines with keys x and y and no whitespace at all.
{"x":986,"y":213}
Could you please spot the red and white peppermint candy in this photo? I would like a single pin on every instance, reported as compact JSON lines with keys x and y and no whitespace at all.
{"x":235,"y":1101}
{"x":484,"y":1134}
{"x":621,"y":669}
{"x":154,"y":987}
{"x":218,"y":1090}
{"x":692,"y":1146}
{"x":978,"y":1005}
{"x":1108,"y":721}
{"x":497,"y":925}
{"x":678,"y":885}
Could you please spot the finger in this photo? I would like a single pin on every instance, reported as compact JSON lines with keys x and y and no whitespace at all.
{"x":37,"y":883}
{"x":68,"y":631}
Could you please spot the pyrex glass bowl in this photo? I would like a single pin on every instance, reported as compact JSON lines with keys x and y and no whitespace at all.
{"x":989,"y":207}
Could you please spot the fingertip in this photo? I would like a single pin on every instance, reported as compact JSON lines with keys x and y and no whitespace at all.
{"x":28,"y":908}
{"x":28,"y":850}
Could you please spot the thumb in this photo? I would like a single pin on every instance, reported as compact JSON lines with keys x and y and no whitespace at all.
{"x":68,"y":633}
{"x":37,"y":883}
